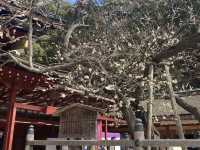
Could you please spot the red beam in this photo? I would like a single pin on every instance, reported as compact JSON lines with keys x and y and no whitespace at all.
{"x":38,"y":123}
{"x":30,"y":121}
{"x":47,"y":110}
{"x":29,"y":107}
{"x":10,"y":121}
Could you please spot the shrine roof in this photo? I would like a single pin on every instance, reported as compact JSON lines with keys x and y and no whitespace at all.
{"x":38,"y":89}
{"x":78,"y":105}
{"x":162,"y":107}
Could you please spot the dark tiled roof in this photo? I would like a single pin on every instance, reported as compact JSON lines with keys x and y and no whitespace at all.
{"x":79,"y":105}
{"x":163,"y":107}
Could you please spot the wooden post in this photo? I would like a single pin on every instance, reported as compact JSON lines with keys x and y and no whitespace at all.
{"x":10,"y":121}
{"x":173,"y":103}
{"x":99,"y":131}
{"x":106,"y":134}
{"x":139,"y":133}
{"x":30,"y":137}
{"x":197,"y":136}
{"x":150,"y":103}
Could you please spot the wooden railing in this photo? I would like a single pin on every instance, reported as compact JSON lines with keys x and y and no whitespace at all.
{"x":138,"y":144}
{"x":61,"y":142}
{"x":128,"y":143}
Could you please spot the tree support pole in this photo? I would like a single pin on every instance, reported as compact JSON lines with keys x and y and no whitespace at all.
{"x":173,"y":103}
{"x":8,"y":141}
{"x":150,"y":103}
{"x":106,"y":134}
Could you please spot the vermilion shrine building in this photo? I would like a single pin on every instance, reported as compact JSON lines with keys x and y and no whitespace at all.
{"x":27,"y":98}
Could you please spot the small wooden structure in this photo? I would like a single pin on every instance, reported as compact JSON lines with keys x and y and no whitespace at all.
{"x":78,"y":121}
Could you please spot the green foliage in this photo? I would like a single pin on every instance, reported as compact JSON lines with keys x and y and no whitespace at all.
{"x":50,"y":46}
{"x":39,"y":53}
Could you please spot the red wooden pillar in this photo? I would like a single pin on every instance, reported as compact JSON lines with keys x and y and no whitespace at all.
{"x":99,"y":132}
{"x":99,"y":128}
{"x":10,"y":120}
{"x":106,"y":133}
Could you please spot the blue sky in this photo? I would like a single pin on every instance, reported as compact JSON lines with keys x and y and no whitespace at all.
{"x":71,"y":1}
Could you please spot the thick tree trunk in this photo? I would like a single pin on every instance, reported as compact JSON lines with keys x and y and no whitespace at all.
{"x":173,"y":103}
{"x":127,"y":113}
{"x":192,"y":109}
{"x":130,"y":117}
{"x":68,"y":35}
{"x":139,"y":95}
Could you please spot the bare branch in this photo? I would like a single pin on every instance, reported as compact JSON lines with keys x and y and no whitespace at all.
{"x":23,"y":65}
{"x":12,"y":41}
{"x":44,"y":19}
{"x":30,"y":41}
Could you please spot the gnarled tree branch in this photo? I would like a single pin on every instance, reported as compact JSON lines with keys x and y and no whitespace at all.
{"x":192,"y":42}
{"x":30,"y":41}
{"x":71,"y":29}
{"x":192,"y":109}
